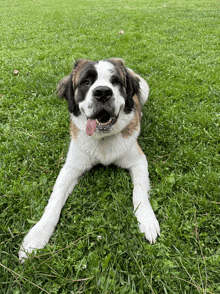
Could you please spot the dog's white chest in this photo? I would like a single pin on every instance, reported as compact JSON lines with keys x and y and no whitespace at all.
{"x":105,"y":151}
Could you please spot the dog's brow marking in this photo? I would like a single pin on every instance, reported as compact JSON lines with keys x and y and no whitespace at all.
{"x":135,"y":123}
{"x":74,"y":130}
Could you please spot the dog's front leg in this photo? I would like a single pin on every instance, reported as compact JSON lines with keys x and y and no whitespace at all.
{"x":148,"y":223}
{"x":135,"y":161}
{"x":40,"y":234}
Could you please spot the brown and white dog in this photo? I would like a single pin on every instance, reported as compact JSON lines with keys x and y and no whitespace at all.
{"x":105,"y":100}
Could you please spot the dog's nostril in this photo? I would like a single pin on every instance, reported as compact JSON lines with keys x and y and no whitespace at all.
{"x":102,"y":93}
{"x":98,"y":93}
{"x":108,"y":93}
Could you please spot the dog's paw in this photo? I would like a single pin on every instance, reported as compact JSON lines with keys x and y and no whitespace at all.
{"x":148,"y":223}
{"x":35,"y":239}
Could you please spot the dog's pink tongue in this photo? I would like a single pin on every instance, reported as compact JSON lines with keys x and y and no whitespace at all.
{"x":91,"y":126}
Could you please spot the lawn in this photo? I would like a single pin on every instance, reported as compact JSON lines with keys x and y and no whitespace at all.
{"x":97,"y":247}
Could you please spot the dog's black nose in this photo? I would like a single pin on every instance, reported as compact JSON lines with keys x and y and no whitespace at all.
{"x":102,"y":93}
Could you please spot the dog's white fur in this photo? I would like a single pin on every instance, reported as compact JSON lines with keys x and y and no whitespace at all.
{"x":105,"y":148}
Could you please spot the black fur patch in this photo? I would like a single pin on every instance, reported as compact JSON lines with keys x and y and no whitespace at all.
{"x":125,"y":80}
{"x":86,"y":78}
{"x":82,"y":77}
{"x":65,"y":89}
{"x":132,"y":88}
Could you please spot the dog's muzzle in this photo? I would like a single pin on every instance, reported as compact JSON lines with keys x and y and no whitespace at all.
{"x":104,"y":117}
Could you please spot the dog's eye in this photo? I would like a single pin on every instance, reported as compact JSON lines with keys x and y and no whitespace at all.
{"x":85,"y":82}
{"x":115,"y":81}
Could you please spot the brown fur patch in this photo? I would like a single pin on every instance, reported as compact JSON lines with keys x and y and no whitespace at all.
{"x":139,"y":149}
{"x":78,"y":67}
{"x":120,"y":64}
{"x":61,"y":87}
{"x":135,"y":123}
{"x":117,"y":61}
{"x":74,"y":131}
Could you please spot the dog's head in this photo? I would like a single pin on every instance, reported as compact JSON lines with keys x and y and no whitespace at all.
{"x":100,"y":95}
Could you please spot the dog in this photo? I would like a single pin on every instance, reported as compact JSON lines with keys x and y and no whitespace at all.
{"x":104,"y":99}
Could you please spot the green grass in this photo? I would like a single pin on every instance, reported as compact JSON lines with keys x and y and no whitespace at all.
{"x":96,"y":247}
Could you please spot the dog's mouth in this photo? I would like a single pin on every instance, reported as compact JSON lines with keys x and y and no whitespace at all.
{"x":102,"y":122}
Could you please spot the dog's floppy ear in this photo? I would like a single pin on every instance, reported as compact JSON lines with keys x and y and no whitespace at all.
{"x":131,"y":83}
{"x":65,"y":89}
{"x":63,"y":86}
{"x":132,"y":87}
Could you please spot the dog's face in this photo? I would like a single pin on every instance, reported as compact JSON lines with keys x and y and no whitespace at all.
{"x":100,"y":95}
